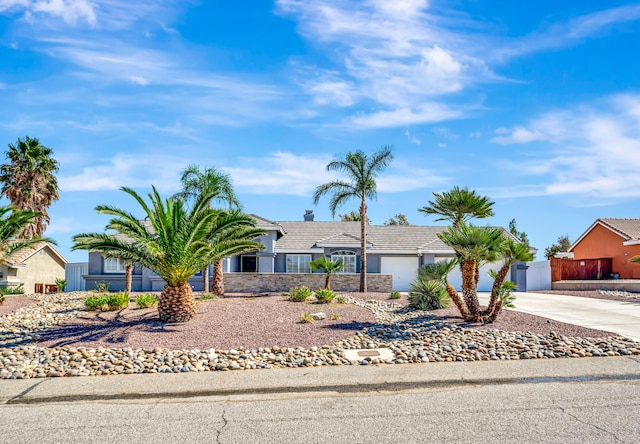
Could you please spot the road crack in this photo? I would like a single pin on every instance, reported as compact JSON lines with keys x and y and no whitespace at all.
{"x":562,"y":409}
{"x":225,"y":421}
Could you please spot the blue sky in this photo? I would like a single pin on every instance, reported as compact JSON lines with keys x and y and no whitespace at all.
{"x":535,"y":104}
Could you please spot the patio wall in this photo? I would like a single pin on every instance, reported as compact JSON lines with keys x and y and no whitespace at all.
{"x":255,"y":282}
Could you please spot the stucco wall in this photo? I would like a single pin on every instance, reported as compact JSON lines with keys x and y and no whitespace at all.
{"x":601,"y":242}
{"x":254,"y":282}
{"x":41,"y":268}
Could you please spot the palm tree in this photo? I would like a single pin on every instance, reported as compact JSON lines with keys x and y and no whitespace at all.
{"x":512,"y":253}
{"x":472,"y":245}
{"x":175,"y":242}
{"x":439,"y":271}
{"x":29,"y":182}
{"x":328,"y":266}
{"x":361,"y":172}
{"x":195,"y":181}
{"x":459,"y":205}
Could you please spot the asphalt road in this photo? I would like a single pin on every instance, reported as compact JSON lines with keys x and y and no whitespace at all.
{"x":555,"y":412}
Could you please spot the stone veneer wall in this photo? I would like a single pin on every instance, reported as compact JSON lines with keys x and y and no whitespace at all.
{"x":255,"y":282}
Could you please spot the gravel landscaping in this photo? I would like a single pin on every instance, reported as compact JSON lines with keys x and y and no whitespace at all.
{"x":52,"y":335}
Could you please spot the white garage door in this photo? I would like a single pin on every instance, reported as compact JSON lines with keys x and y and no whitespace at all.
{"x":403,"y":270}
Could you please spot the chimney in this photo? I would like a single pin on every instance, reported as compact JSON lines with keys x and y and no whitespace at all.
{"x":308,"y":215}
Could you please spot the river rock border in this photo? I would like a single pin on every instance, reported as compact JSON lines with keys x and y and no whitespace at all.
{"x":412,"y":337}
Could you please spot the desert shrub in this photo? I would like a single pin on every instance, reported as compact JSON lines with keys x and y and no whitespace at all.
{"x":13,"y":289}
{"x":395,"y":294}
{"x":118,"y":301}
{"x":60,"y":285}
{"x":1,"y":298}
{"x":146,"y":300}
{"x":204,"y":296}
{"x":102,"y":287}
{"x":111,"y":302}
{"x":299,"y":294}
{"x":334,"y":317}
{"x":341,"y":300}
{"x":428,"y":294}
{"x":324,"y":296}
{"x":94,"y":303}
{"x":306,"y":318}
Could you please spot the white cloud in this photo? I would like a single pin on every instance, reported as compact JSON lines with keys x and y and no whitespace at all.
{"x":412,"y":139}
{"x":594,"y":149}
{"x":432,"y":112}
{"x":132,"y":170}
{"x":71,"y":11}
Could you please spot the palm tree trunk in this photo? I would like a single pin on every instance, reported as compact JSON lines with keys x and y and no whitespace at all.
{"x":205,"y":279}
{"x":128,"y":277}
{"x":457,"y":299}
{"x":494,"y":314}
{"x":469,"y":289}
{"x":217,"y":286}
{"x":497,"y":285}
{"x":176,"y":304}
{"x":363,"y":246}
{"x":327,"y":281}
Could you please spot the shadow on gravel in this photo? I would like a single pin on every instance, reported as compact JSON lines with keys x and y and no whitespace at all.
{"x":353,"y":325}
{"x":113,"y":331}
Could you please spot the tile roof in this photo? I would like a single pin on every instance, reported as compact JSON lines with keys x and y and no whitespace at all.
{"x":628,"y":228}
{"x":18,"y":257}
{"x":307,"y":235}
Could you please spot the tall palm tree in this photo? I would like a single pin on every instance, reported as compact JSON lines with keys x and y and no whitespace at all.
{"x":361,"y":172}
{"x":175,"y":242}
{"x":29,"y":182}
{"x":195,"y":181}
{"x":512,"y":253}
{"x":459,"y":205}
{"x":472,"y":244}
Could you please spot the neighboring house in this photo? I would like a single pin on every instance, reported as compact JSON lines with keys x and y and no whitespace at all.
{"x":36,"y":268}
{"x":397,"y":251}
{"x":609,"y":241}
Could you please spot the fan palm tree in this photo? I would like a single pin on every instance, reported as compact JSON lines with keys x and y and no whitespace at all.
{"x":12,"y":222}
{"x":175,"y":242}
{"x":29,"y":182}
{"x":512,"y":253}
{"x":328,"y":266}
{"x":361,"y":172}
{"x":459,"y":205}
{"x":195,"y":181}
{"x":472,"y":245}
{"x":439,"y":271}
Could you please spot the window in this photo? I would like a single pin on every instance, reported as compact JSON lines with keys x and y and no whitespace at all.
{"x":298,"y":263}
{"x":113,"y":265}
{"x":348,"y":258}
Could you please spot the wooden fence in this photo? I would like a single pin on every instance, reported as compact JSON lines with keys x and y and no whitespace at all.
{"x":580,"y":269}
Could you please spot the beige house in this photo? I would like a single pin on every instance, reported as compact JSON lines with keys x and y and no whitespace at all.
{"x":37,"y":268}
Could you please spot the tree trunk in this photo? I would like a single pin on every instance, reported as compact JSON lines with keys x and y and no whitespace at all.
{"x":176,"y":304}
{"x":457,"y":299}
{"x":217,"y":286}
{"x":128,"y":277}
{"x":363,"y":246}
{"x":205,"y":279}
{"x":469,"y":289}
{"x":494,"y":314}
{"x":327,"y":281}
{"x":497,"y":285}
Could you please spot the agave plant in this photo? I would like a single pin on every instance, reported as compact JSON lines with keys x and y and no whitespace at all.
{"x":175,"y":242}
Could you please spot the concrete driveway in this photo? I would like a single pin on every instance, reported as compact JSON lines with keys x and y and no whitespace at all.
{"x":621,"y":317}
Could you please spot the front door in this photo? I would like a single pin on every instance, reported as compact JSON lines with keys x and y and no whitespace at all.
{"x":249,"y":264}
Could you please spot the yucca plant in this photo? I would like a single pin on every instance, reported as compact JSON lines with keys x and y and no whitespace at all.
{"x":425,"y":294}
{"x":175,"y":242}
{"x":324,"y":295}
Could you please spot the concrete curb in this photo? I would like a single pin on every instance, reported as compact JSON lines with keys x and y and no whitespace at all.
{"x":288,"y":382}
